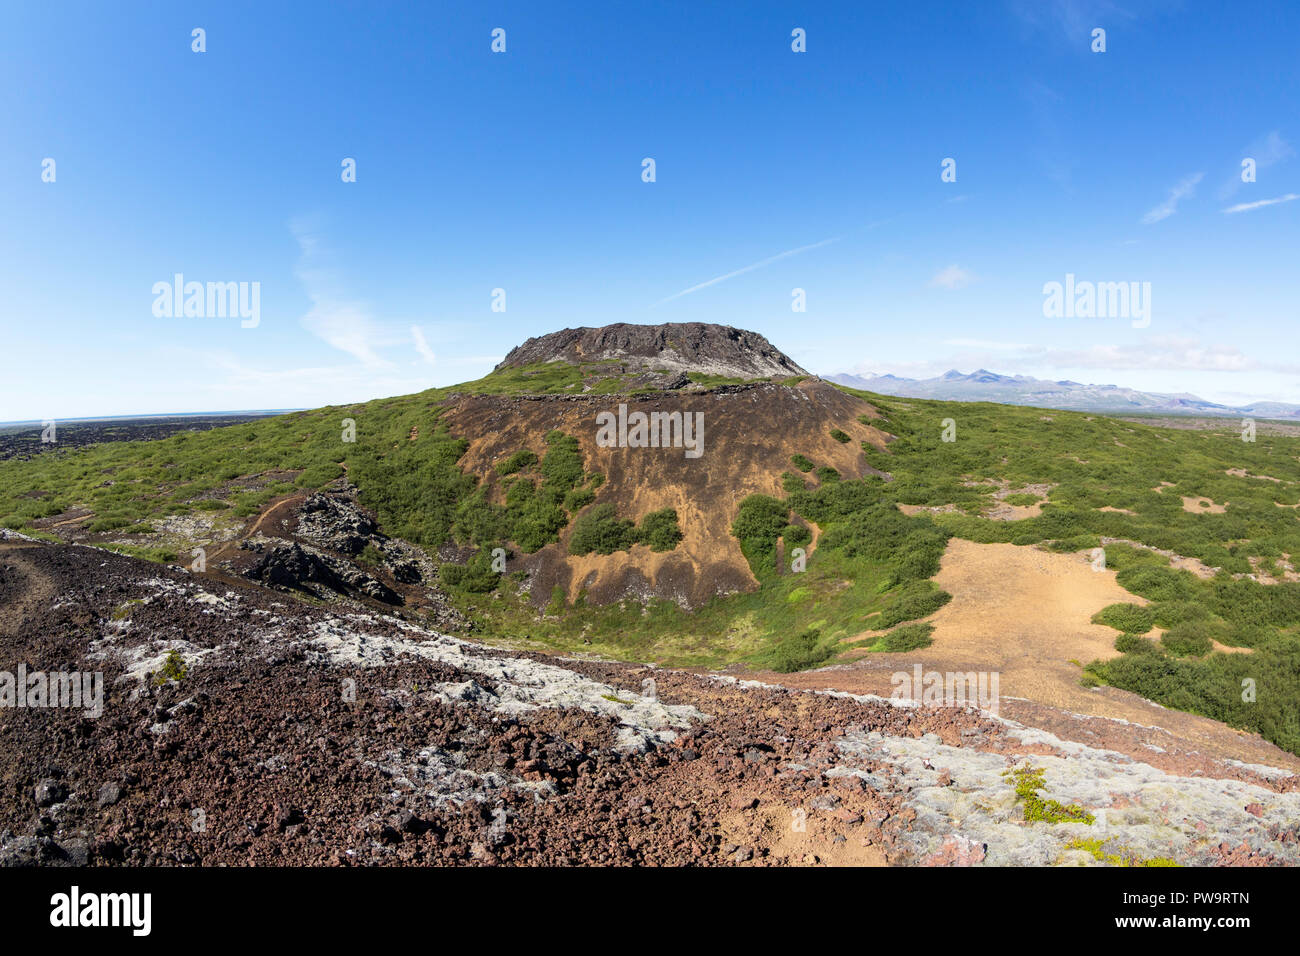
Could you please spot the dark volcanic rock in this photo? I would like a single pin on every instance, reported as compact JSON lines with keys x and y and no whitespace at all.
{"x":49,"y":792}
{"x":672,"y":347}
{"x":335,"y":522}
{"x":292,"y":565}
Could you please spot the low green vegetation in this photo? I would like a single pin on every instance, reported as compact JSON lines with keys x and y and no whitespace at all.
{"x":173,"y":669}
{"x":123,"y":610}
{"x":1129,"y":618}
{"x":1092,"y":462}
{"x":796,"y":535}
{"x":157,"y":555}
{"x":1028,"y":781}
{"x":1135,"y":644}
{"x":524,"y":458}
{"x":792,"y":482}
{"x":909,"y":637}
{"x":475,"y":576}
{"x":1120,"y":855}
{"x":797,"y":652}
{"x":370,"y":556}
{"x":1022,"y":499}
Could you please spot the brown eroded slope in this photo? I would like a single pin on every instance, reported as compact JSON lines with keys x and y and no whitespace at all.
{"x":750,"y":432}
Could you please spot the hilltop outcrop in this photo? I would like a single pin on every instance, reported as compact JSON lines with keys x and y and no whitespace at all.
{"x":675,"y":347}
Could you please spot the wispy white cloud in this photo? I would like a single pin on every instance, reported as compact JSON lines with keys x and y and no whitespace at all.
{"x":231,"y":381}
{"x":952,"y":277}
{"x":346,"y":325}
{"x":1071,"y":20}
{"x":422,"y":345}
{"x":1184,"y":188}
{"x":1154,"y":352}
{"x":749,"y":268}
{"x":1268,"y":150}
{"x":1051,"y":147}
{"x":1261,"y":203}
{"x":985,"y":344}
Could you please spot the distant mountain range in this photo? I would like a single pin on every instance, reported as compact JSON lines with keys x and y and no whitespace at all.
{"x":985,"y":386}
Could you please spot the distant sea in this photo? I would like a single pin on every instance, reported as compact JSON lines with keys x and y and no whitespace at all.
{"x":137,"y":418}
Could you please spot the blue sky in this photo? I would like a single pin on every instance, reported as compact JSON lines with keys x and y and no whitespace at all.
{"x":522,"y":170}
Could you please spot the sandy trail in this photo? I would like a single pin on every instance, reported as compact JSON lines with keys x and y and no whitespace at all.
{"x":1026,"y":615}
{"x":25,"y":598}
{"x":274,"y":508}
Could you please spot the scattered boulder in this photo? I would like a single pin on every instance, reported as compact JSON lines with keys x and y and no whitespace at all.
{"x":335,"y":522}
{"x":295,"y":566}
{"x":49,"y":792}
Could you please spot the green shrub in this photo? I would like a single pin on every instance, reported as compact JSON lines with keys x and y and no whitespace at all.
{"x":524,"y":458}
{"x":1168,"y":613}
{"x":107,"y":524}
{"x":802,"y":462}
{"x":908,"y":637}
{"x":827,"y":474}
{"x":474,"y":576}
{"x":319,"y":475}
{"x":659,"y":530}
{"x":797,"y":652}
{"x":1135,"y":644}
{"x":577,"y":499}
{"x":1189,"y":638}
{"x":1248,"y":603}
{"x":910,"y":547}
{"x":759,"y":522}
{"x":1157,"y":583}
{"x":840,"y":436}
{"x":796,"y":535}
{"x":915,"y":601}
{"x":562,"y":466}
{"x":533,"y":516}
{"x":1129,"y":618}
{"x":790,"y":482}
{"x":602,"y":531}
